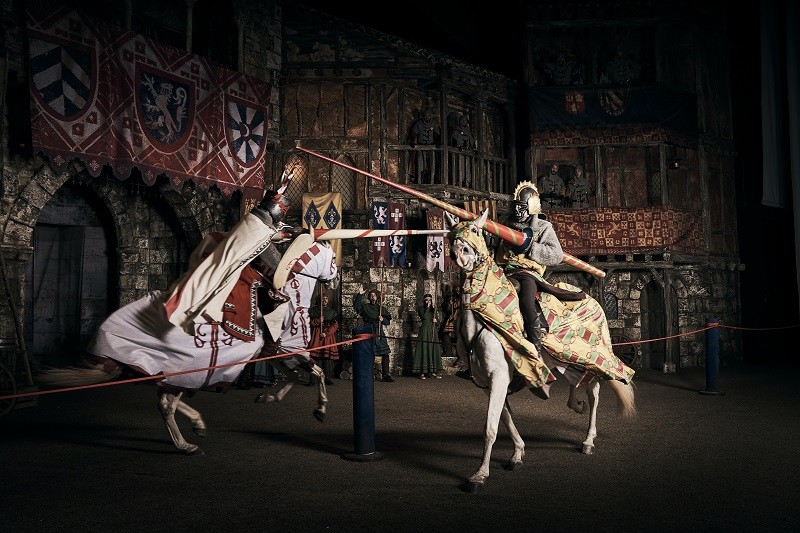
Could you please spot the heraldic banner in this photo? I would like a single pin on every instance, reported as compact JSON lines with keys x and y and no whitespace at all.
{"x":113,"y":97}
{"x":324,"y":211}
{"x":438,"y":253}
{"x":397,"y":243}
{"x":380,"y":220}
{"x":560,"y":108}
{"x":627,"y":230}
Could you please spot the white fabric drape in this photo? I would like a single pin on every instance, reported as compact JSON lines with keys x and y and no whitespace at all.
{"x":792,"y":19}
{"x":772,"y":112}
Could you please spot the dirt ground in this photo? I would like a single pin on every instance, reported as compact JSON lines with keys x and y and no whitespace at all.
{"x":101,"y":460}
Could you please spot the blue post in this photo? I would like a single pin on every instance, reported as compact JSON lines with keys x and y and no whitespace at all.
{"x":712,"y":357}
{"x":363,"y":402}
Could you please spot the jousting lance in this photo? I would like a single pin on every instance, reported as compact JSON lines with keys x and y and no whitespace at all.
{"x":334,"y":233}
{"x":515,"y":237}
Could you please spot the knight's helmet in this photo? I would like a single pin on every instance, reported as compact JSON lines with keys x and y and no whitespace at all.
{"x":526,"y":194}
{"x":275,"y":203}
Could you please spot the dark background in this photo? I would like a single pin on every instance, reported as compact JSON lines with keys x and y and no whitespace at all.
{"x":492,"y":37}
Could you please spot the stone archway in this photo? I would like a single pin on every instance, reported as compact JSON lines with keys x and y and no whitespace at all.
{"x":652,"y":320}
{"x":659,"y":305}
{"x":654,"y":324}
{"x":113,"y":241}
{"x":69,"y":286}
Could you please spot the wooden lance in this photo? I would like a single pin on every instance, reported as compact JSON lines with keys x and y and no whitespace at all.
{"x":515,"y":237}
{"x":335,"y":233}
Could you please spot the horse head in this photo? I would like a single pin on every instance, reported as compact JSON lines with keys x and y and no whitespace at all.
{"x":467,"y":245}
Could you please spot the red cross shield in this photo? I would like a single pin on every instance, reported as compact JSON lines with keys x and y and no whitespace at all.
{"x":574,"y":102}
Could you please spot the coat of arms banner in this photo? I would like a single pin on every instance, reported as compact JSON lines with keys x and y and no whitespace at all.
{"x":397,"y":243}
{"x":380,"y":220}
{"x":113,"y":97}
{"x":437,"y":255}
{"x":324,"y":211}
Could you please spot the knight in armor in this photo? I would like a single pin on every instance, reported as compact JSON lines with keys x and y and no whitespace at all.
{"x":201,"y":292}
{"x":525,"y":265}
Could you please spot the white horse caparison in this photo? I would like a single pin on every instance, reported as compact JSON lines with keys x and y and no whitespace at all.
{"x":317,"y":263}
{"x":220,"y":349}
{"x":492,"y":371}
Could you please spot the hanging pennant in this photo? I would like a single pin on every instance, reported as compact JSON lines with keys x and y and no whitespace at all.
{"x":397,"y":243}
{"x":438,"y":249}
{"x":324,"y":211}
{"x":380,"y":220}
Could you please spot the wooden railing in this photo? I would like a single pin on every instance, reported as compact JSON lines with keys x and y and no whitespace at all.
{"x":447,"y":166}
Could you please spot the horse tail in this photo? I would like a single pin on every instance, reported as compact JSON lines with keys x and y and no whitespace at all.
{"x":74,"y":376}
{"x":626,"y":406}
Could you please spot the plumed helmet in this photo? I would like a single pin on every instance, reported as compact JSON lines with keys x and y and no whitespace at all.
{"x":276,"y":204}
{"x":527,"y":194}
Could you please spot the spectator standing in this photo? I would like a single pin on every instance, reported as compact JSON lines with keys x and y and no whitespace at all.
{"x":375,"y":317}
{"x":427,"y":355}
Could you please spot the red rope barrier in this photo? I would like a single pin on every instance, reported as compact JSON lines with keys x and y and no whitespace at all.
{"x":357,"y":338}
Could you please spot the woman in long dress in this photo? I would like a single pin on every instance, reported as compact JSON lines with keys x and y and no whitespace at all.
{"x":428,"y":354}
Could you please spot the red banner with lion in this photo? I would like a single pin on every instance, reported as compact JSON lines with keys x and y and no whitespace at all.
{"x":113,"y":97}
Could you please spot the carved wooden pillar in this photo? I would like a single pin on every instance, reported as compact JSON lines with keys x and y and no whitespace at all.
{"x":128,"y":15}
{"x":239,"y":19}
{"x":13,"y":264}
{"x":509,"y":181}
{"x":189,"y":23}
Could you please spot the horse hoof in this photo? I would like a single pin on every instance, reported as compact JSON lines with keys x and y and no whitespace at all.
{"x":472,"y":487}
{"x":319,"y":415}
{"x":194,"y":451}
{"x":200,"y":432}
{"x":265,"y":398}
{"x":588,"y":449}
{"x":511,"y":466}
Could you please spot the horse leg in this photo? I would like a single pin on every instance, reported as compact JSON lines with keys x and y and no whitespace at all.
{"x":519,"y":444}
{"x":168,"y":404}
{"x":579,"y":406}
{"x":593,"y":392}
{"x":291,"y":379}
{"x":198,"y":425}
{"x":497,"y":397}
{"x":322,"y":393}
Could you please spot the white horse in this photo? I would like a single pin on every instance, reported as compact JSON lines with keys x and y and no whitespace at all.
{"x":139,"y":338}
{"x":479,"y":343}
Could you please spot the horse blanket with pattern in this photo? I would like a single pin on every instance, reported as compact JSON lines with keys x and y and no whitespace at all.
{"x":578,"y":333}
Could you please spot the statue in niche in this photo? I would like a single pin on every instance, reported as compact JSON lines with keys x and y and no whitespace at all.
{"x":552,"y":191}
{"x":563,"y":70}
{"x":425,"y":131}
{"x":460,"y":134}
{"x":578,"y":189}
{"x":621,"y":69}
